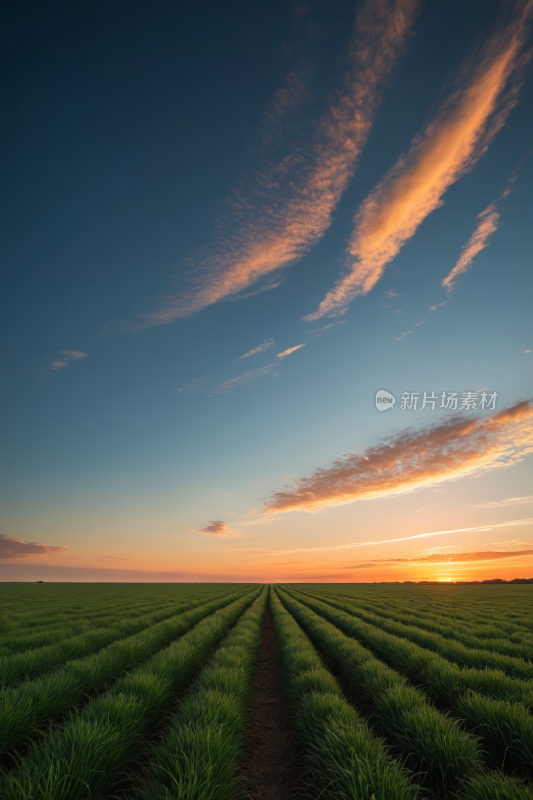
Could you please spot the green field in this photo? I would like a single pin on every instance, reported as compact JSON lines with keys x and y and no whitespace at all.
{"x":146,"y":691}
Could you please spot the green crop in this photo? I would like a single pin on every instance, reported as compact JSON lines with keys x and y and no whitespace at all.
{"x":343,"y":760}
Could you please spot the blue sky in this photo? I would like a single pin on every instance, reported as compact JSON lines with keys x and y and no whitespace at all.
{"x":155,"y":155}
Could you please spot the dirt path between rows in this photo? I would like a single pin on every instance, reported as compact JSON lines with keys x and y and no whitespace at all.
{"x":269,"y":767}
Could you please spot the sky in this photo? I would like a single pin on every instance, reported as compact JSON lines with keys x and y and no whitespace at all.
{"x":267,"y":291}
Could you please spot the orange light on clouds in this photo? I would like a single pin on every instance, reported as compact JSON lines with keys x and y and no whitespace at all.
{"x":448,"y":148}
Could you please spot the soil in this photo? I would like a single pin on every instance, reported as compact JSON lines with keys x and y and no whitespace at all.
{"x":269,"y":766}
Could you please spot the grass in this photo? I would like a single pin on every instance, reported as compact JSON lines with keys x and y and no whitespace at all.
{"x":509,"y":736}
{"x":474,"y":635}
{"x":142,"y":691}
{"x":198,"y":754}
{"x":434,"y":746}
{"x":26,"y":709}
{"x":88,"y":756}
{"x":23,"y":666}
{"x":463,"y":605}
{"x":450,"y":649}
{"x":342,"y":758}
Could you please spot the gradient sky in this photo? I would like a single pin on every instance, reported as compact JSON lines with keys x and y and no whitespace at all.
{"x":228,"y":227}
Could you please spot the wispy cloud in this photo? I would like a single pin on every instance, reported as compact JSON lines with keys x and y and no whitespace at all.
{"x":488,"y":223}
{"x":512,"y":501}
{"x":18,"y":548}
{"x":484,"y":92}
{"x":217,"y":527}
{"x":434,"y":308}
{"x":247,"y":377}
{"x":266,"y":344}
{"x":446,"y":558}
{"x":411,"y":459}
{"x":404,"y":334}
{"x":241,"y":380}
{"x":290,"y":350}
{"x":392,"y":293}
{"x":289,"y":206}
{"x":260,"y":521}
{"x":510,"y":524}
{"x":319,"y":331}
{"x":66,"y":358}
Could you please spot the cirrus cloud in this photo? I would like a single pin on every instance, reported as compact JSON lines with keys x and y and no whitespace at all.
{"x":266,"y":344}
{"x":288,"y":207}
{"x":446,"y":558}
{"x":484,"y":93}
{"x":411,"y":459}
{"x":290,"y":350}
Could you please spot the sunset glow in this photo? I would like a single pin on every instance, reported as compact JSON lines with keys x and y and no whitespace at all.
{"x":268,"y":315}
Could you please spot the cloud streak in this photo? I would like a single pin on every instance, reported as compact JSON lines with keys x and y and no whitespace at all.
{"x":484,"y":93}
{"x":411,"y":459}
{"x":512,"y":501}
{"x":319,"y":331}
{"x":266,"y":344}
{"x":290,"y":350}
{"x":511,"y":523}
{"x":66,"y":358}
{"x":217,"y":527}
{"x":18,"y":548}
{"x":489,"y":222}
{"x":487,"y":225}
{"x":290,"y":204}
{"x":242,"y":380}
{"x":447,"y":558}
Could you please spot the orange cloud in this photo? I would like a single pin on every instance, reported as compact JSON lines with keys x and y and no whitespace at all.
{"x":451,"y":449}
{"x":18,"y":548}
{"x":488,"y":223}
{"x":448,"y":558}
{"x":290,"y":205}
{"x":217,"y":528}
{"x":290,"y":350}
{"x":449,"y":147}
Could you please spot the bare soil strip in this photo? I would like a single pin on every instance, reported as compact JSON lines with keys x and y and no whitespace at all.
{"x":268,"y":767}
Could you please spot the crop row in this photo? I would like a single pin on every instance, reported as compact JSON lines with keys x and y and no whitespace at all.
{"x":19,"y":642}
{"x":517,"y":683}
{"x":459,"y":624}
{"x":47,"y":616}
{"x":342,"y":758}
{"x":437,"y":750}
{"x":451,"y":648}
{"x":455,"y":602}
{"x":87,"y":757}
{"x":27,"y":707}
{"x":511,"y":617}
{"x":23,"y":666}
{"x":40,"y":602}
{"x":488,"y":638}
{"x":198,"y":754}
{"x":504,"y":725}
